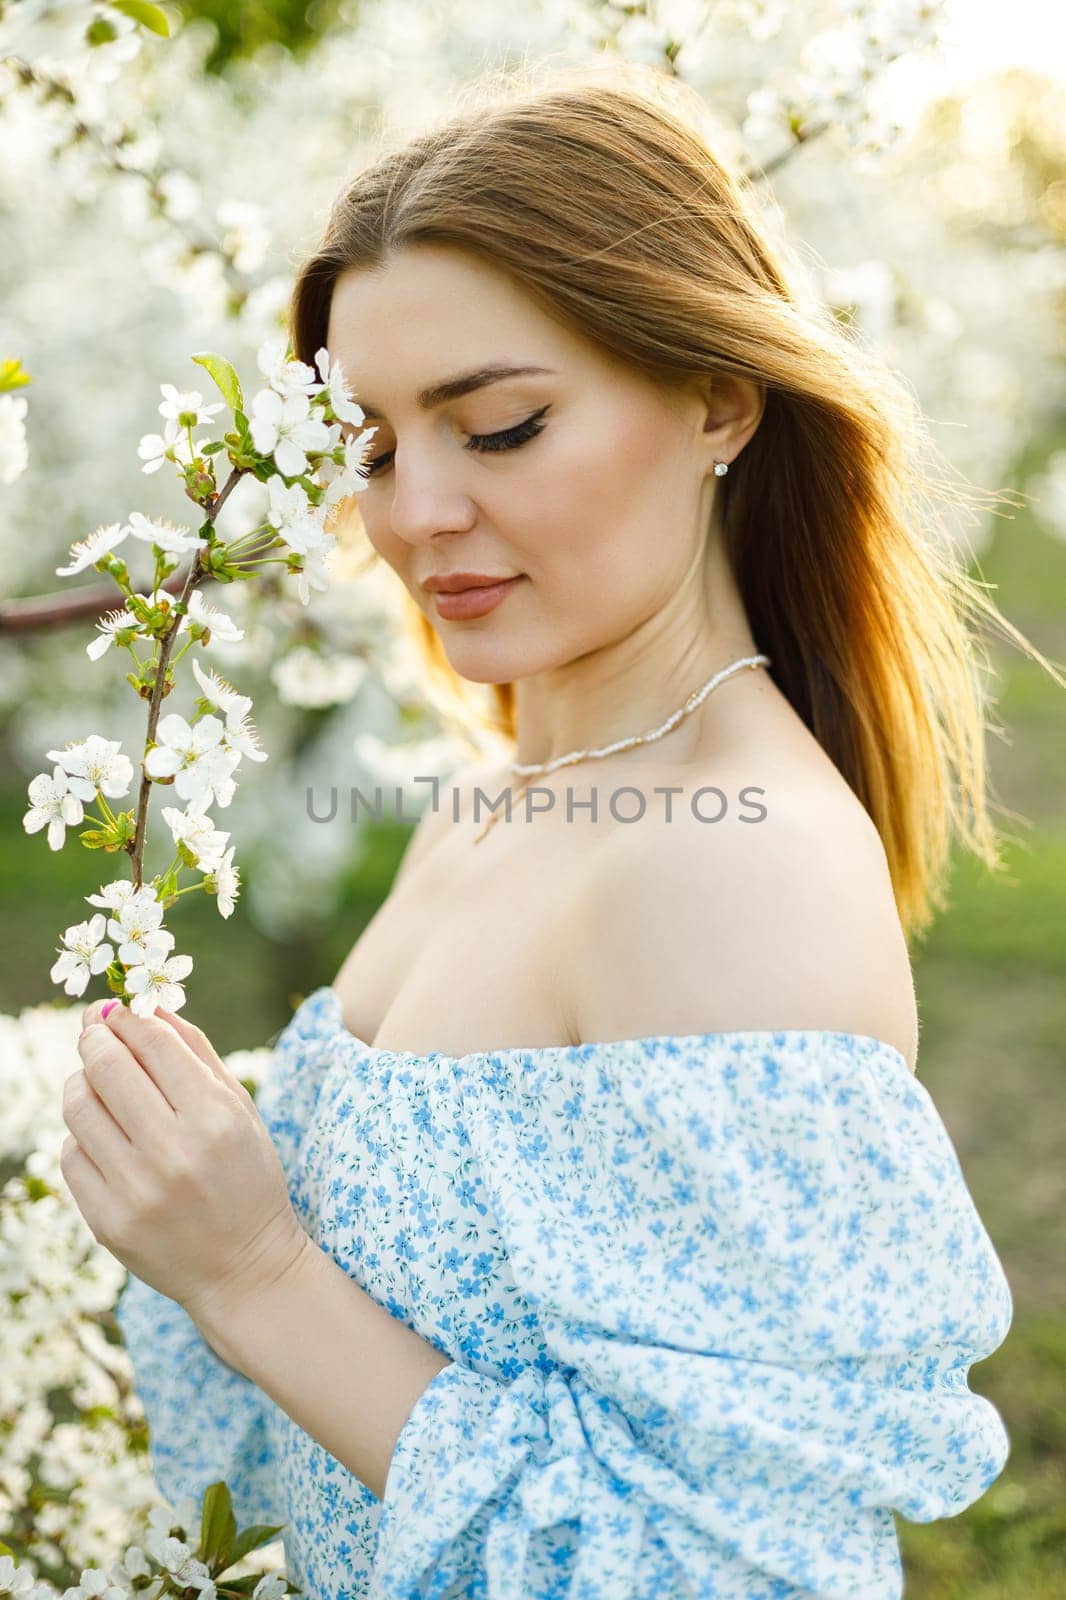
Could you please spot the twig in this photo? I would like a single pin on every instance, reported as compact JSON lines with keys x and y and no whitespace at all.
{"x":195,"y":576}
{"x":56,"y":609}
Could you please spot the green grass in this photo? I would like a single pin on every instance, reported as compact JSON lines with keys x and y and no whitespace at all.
{"x":1012,"y":918}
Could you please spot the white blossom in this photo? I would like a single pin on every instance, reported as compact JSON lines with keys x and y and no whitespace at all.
{"x":271,"y":1586}
{"x":336,"y":386}
{"x":314,"y":573}
{"x":293,"y":518}
{"x":183,"y":1514}
{"x":284,"y":376}
{"x":175,"y":1555}
{"x":95,"y":764}
{"x":134,"y":1563}
{"x":181,"y":194}
{"x":306,"y":677}
{"x":55,"y":803}
{"x":14,"y":453}
{"x":109,"y":626}
{"x":85,"y":955}
{"x":113,"y":895}
{"x":194,"y":757}
{"x":246,"y":237}
{"x":156,"y":981}
{"x":173,"y":541}
{"x":282,"y":426}
{"x":105,"y":60}
{"x":154,"y":447}
{"x":185,"y":407}
{"x":197,"y":831}
{"x":209,"y":616}
{"x":18,"y":1581}
{"x":221,"y":695}
{"x":136,"y":923}
{"x":240,"y":735}
{"x":227,"y":879}
{"x":95,"y":1584}
{"x":241,"y":739}
{"x":86,"y":552}
{"x":350,"y":477}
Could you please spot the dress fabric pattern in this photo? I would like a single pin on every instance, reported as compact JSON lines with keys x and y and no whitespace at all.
{"x":710,"y":1302}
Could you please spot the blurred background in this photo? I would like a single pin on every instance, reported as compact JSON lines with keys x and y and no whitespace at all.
{"x":162,"y":171}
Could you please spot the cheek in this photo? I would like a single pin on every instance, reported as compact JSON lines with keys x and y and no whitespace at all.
{"x":603,"y":501}
{"x":392,"y":550}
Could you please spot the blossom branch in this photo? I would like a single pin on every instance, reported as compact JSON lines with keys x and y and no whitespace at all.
{"x":291,"y":439}
{"x":111,"y":151}
{"x":195,"y":575}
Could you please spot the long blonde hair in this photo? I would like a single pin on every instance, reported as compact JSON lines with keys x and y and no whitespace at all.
{"x":600,"y":195}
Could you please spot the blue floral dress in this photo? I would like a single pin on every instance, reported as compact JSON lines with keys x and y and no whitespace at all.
{"x":710,"y":1302}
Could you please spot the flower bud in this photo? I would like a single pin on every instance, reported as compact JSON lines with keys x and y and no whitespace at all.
{"x":199,"y":485}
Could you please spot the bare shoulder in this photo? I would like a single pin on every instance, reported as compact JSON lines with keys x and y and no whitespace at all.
{"x":787,"y":922}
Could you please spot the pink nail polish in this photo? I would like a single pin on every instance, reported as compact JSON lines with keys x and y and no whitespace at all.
{"x":104,"y":1009}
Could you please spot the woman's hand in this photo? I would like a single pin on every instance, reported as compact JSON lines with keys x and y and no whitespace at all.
{"x":171,"y":1165}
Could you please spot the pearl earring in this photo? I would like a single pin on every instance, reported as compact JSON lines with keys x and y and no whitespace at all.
{"x":721,"y":468}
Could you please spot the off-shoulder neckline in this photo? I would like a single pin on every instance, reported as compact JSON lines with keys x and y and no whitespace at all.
{"x":870,"y":1045}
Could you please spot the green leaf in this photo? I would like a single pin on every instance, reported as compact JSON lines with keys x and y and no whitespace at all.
{"x":168,"y":884}
{"x":13,"y":374}
{"x":251,"y":1539}
{"x":218,"y":1526}
{"x":95,"y":838}
{"x":225,"y":378}
{"x":154,"y":18}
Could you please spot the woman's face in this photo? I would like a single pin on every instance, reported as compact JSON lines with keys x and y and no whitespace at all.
{"x":593,"y":496}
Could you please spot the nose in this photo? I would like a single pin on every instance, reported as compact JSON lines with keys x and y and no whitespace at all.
{"x":427,"y":499}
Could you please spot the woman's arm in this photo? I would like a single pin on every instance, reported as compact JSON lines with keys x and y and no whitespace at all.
{"x":345,"y":1370}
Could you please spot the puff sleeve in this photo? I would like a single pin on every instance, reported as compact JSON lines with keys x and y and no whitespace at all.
{"x":205,"y":1420}
{"x":761,"y":1281}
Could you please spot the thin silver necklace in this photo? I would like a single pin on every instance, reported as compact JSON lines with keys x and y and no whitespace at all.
{"x":695,"y":699}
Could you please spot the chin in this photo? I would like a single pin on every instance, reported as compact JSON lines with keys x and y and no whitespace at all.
{"x":485,"y":658}
{"x":485,"y":667}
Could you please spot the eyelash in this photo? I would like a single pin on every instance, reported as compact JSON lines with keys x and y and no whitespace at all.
{"x":507,"y":439}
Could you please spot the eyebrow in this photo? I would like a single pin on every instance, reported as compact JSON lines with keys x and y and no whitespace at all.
{"x":455,"y":388}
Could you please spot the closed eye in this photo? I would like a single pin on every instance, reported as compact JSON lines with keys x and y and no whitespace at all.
{"x":508,"y":439}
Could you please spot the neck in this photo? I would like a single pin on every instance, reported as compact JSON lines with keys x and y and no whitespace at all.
{"x":635,"y":683}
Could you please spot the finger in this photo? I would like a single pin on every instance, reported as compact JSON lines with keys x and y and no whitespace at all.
{"x":88,"y":1115}
{"x":88,"y":1188}
{"x":92,"y":1012}
{"x":119,"y":1081}
{"x":73,"y":1159}
{"x":177,"y":1072}
{"x":197,"y":1040}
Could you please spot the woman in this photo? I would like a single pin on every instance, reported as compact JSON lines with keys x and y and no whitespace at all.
{"x":640,"y":1262}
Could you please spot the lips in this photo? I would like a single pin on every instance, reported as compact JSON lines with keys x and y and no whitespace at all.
{"x":457,"y":582}
{"x":474,"y":600}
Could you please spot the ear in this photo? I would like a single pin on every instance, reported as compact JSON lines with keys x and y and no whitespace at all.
{"x":732,"y":409}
